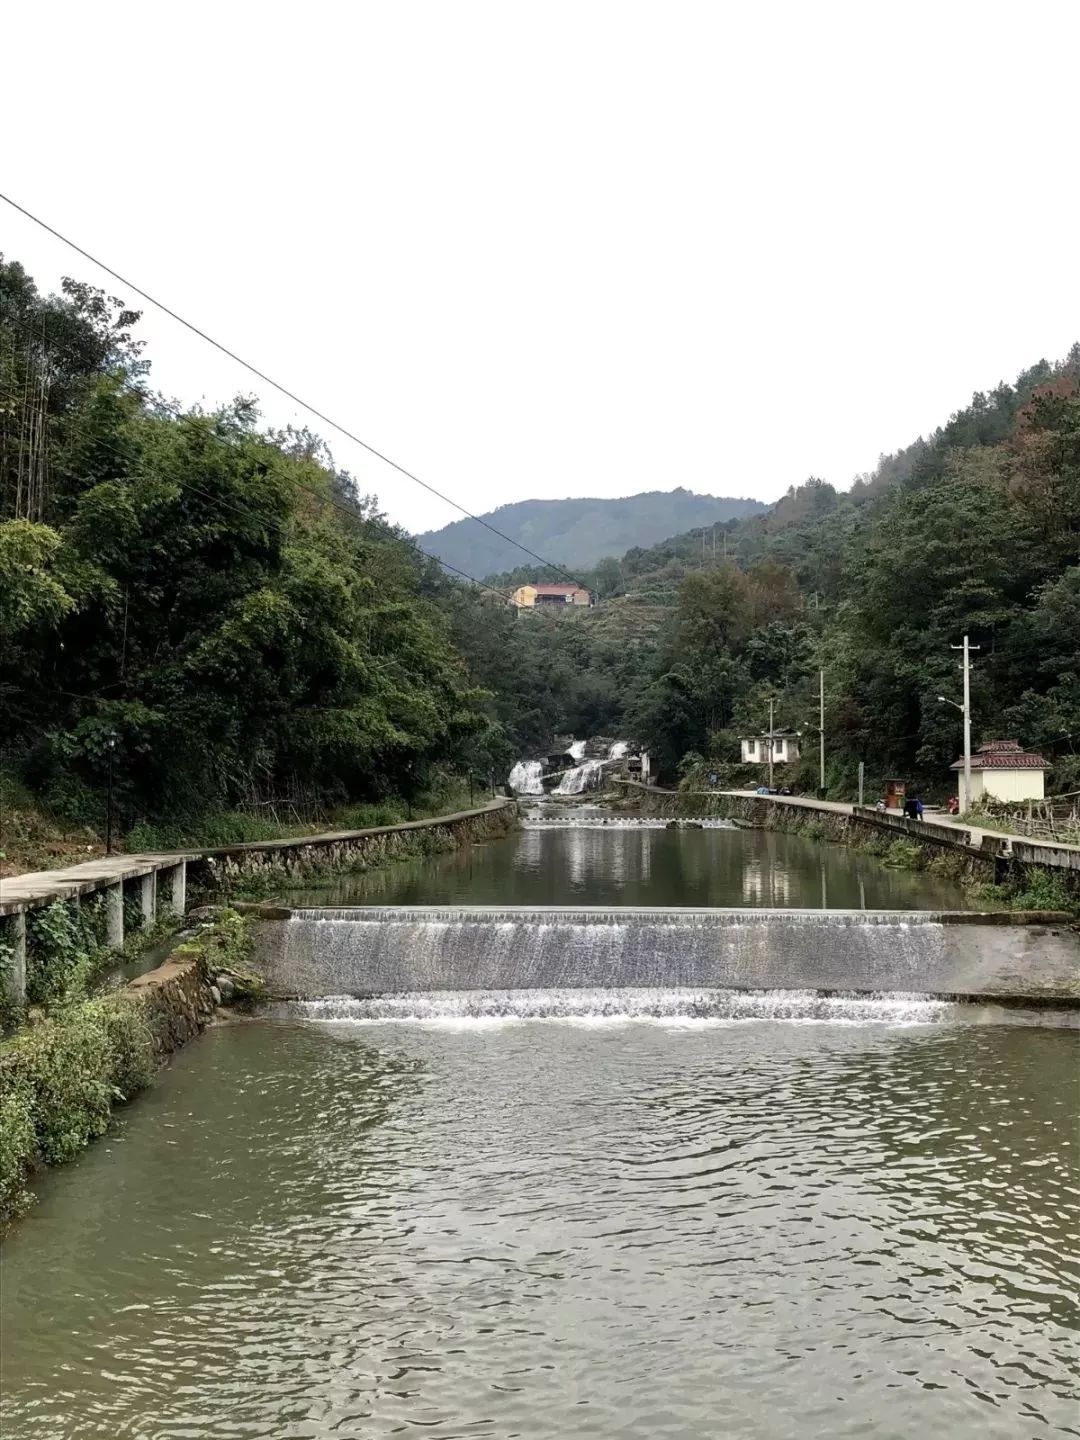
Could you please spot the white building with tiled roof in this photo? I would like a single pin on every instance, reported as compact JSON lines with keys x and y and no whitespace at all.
{"x":1003,"y":770}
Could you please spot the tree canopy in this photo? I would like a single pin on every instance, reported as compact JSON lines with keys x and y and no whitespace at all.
{"x":211,"y":601}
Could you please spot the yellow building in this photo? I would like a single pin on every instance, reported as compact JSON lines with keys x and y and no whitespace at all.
{"x":540,"y":597}
{"x":1002,"y":770}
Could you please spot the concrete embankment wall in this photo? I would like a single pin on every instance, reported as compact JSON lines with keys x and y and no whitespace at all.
{"x":949,"y":848}
{"x":365,"y":951}
{"x":266,"y":863}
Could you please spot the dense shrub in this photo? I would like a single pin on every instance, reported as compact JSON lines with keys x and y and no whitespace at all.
{"x":905,"y":855}
{"x":18,"y":1144}
{"x":61,"y":1078}
{"x":61,"y":952}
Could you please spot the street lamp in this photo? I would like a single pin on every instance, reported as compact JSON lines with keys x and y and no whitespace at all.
{"x":965,"y":711}
{"x":111,"y":747}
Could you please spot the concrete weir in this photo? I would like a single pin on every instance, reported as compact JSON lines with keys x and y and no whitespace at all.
{"x":364,"y":951}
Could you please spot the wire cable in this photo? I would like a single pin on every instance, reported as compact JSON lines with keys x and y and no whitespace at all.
{"x":177,"y":414}
{"x":282,"y":389}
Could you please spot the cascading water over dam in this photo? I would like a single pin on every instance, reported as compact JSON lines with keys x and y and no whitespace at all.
{"x":366,"y":951}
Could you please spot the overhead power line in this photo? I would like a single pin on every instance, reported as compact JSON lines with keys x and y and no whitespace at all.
{"x":282,"y":389}
{"x":319,"y":495}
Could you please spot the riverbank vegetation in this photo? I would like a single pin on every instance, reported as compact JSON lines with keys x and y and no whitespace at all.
{"x":81,"y":1055}
{"x":975,"y":530}
{"x":198,"y":613}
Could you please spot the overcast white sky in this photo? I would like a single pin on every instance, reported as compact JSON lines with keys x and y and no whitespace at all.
{"x":568,"y":248}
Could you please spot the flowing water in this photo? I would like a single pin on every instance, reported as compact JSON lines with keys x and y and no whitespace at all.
{"x":524,"y":778}
{"x":545,"y":1190}
{"x":554,"y":1228}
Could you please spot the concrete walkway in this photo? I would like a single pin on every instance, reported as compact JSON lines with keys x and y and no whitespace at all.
{"x":41,"y":887}
{"x":838,"y":807}
{"x":931,"y":817}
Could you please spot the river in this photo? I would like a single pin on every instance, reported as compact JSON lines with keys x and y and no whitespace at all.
{"x":584,"y":860}
{"x":449,"y":1225}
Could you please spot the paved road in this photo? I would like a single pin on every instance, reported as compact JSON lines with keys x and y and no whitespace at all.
{"x":934,"y":817}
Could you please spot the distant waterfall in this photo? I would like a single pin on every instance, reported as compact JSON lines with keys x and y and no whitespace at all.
{"x":577,"y":750}
{"x":618,"y":750}
{"x":585,"y":776}
{"x":525,"y":778}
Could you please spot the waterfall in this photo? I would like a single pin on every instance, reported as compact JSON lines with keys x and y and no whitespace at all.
{"x":618,"y":750}
{"x":525,"y":778}
{"x":577,"y":750}
{"x":585,"y":776}
{"x":368,"y":950}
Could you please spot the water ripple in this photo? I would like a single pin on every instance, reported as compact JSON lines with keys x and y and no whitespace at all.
{"x":545,"y":1229}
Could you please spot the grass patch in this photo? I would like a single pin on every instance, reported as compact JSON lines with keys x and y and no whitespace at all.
{"x":905,"y":855}
{"x":1033,"y":890}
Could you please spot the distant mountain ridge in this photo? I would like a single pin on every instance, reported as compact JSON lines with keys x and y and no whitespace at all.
{"x":579,"y":531}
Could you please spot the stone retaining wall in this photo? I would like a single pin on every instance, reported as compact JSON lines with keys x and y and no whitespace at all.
{"x":266,"y":863}
{"x":947,"y":849}
{"x":176,"y":997}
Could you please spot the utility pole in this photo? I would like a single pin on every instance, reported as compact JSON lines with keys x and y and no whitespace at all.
{"x":821,"y":685}
{"x":967,"y":649}
{"x":862,"y":774}
{"x":772,"y":702}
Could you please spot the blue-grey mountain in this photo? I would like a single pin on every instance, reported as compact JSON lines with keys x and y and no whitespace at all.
{"x":577,"y":532}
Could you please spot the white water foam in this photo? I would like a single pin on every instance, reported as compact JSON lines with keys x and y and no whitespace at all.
{"x":672,"y":1007}
{"x":585,"y":776}
{"x":615,"y":822}
{"x":525,"y":778}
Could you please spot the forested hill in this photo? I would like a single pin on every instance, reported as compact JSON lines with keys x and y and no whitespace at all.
{"x":577,"y":532}
{"x":209,"y":613}
{"x":974,"y":529}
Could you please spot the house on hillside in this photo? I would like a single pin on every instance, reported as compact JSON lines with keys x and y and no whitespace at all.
{"x":785,"y":748}
{"x":1003,"y":770}
{"x":541,"y":597}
